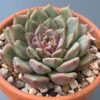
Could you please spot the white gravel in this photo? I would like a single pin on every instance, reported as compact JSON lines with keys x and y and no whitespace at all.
{"x":71,"y":91}
{"x":10,"y":80}
{"x":74,"y":84}
{"x":32,"y":91}
{"x":24,"y":90}
{"x":4,"y":72}
{"x":90,"y":79}
{"x":39,"y":94}
{"x":94,"y":66}
{"x":88,"y":72}
{"x":58,"y":89}
{"x":43,"y":90}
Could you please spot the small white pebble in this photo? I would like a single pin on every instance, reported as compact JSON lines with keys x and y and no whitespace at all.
{"x":24,"y":90}
{"x":58,"y":89}
{"x":20,"y":76}
{"x":87,"y":72}
{"x":90,"y":79}
{"x":93,"y":49}
{"x":71,"y":91}
{"x":84,"y":83}
{"x":98,"y":55}
{"x":58,"y":95}
{"x":63,"y":93}
{"x":96,"y":72}
{"x":27,"y":86}
{"x":10,"y":80}
{"x":43,"y":90}
{"x":19,"y":83}
{"x":47,"y":95}
{"x":74,"y":84}
{"x":32,"y":91}
{"x":79,"y":89}
{"x":4,"y":73}
{"x":94,"y":66}
{"x":4,"y":66}
{"x":1,"y":43}
{"x":39,"y":94}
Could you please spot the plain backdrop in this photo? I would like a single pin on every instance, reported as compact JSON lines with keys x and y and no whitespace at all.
{"x":88,"y":8}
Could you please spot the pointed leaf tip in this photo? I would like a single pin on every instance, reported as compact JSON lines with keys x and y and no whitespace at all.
{"x":35,"y":81}
{"x":50,"y":10}
{"x":21,"y":65}
{"x":69,"y":66}
{"x":7,"y":55}
{"x":38,"y":67}
{"x":38,"y":16}
{"x":84,"y":48}
{"x":72,"y":52}
{"x":52,"y":62}
{"x":62,"y":78}
{"x":20,"y":49}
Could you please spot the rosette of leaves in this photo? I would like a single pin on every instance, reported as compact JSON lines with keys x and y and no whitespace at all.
{"x":47,"y":45}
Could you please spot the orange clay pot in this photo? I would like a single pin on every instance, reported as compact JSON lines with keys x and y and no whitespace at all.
{"x":15,"y":94}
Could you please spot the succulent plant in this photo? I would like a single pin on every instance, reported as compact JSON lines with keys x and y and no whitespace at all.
{"x":47,"y":45}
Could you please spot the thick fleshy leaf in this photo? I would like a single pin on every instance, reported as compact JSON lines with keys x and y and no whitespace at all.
{"x":35,"y":81}
{"x":83,"y":29}
{"x":52,"y":62}
{"x":84,"y":42}
{"x":62,"y":78}
{"x":20,"y":19}
{"x":30,"y":26}
{"x":29,"y":37}
{"x":31,"y":52}
{"x":66,"y":12}
{"x":13,"y":33}
{"x":38,"y":67}
{"x":7,"y":35}
{"x":61,"y":43}
{"x":43,"y":53}
{"x":41,"y":29}
{"x":70,"y":39}
{"x":69,"y":66}
{"x":49,"y":9}
{"x":85,"y":61}
{"x":7,"y":55}
{"x":60,"y":32}
{"x":62,"y":40}
{"x":39,"y":16}
{"x":58,"y":53}
{"x":60,"y":22}
{"x":17,"y":33}
{"x":72,"y":52}
{"x":20,"y":49}
{"x":50,"y":23}
{"x":73,"y":26}
{"x":21,"y":66}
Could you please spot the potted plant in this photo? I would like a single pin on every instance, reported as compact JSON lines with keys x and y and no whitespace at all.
{"x":49,"y":45}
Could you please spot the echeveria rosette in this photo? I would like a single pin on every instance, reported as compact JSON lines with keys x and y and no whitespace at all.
{"x":47,"y":45}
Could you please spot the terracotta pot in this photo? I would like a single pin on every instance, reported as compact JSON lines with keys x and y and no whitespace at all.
{"x":15,"y":94}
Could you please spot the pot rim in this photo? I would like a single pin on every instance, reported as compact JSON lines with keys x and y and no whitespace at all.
{"x":82,"y":93}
